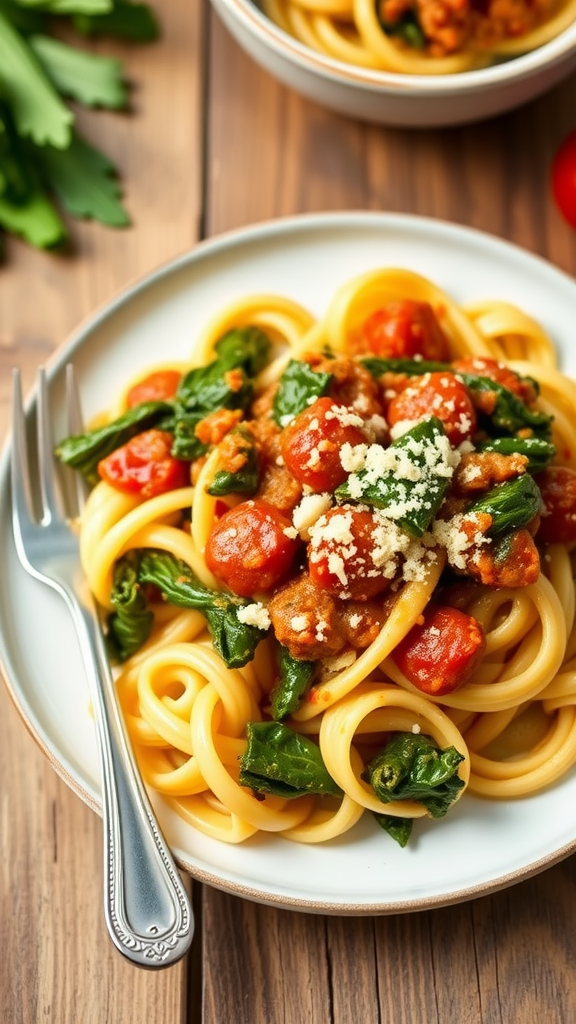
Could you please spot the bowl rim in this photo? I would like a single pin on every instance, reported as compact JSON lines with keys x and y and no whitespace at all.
{"x":249,"y":15}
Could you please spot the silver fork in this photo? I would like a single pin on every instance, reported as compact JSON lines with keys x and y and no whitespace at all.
{"x":147,"y":910}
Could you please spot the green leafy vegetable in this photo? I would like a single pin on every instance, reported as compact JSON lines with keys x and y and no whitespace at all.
{"x":412,"y":767}
{"x":134,"y":22}
{"x":512,"y":505}
{"x":84,"y":451}
{"x":294,"y":680}
{"x":299,"y":386}
{"x":234,"y":640}
{"x":399,"y":829}
{"x":418,"y":498}
{"x":86,"y":77}
{"x":130,"y":625}
{"x":407,"y":28}
{"x":510,"y":413}
{"x":83,"y":179}
{"x":280,"y":761}
{"x":244,"y":480}
{"x":224,"y":383}
{"x":538,"y":452}
{"x":43,"y":161}
{"x":36,"y":107}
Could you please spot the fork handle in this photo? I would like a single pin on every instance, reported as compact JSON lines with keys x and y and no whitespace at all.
{"x":147,"y":909}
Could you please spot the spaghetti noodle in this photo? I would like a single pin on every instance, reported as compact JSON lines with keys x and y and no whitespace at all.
{"x":420,"y":37}
{"x":336,"y":560}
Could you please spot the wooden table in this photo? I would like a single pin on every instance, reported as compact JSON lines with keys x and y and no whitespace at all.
{"x":215,"y":143}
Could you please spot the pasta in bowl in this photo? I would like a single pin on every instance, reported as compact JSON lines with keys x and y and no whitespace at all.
{"x":335,"y":555}
{"x":416,"y":63}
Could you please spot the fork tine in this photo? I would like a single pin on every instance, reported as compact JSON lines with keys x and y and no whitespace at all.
{"x":19,"y":472}
{"x":49,"y":489}
{"x":75,"y":426}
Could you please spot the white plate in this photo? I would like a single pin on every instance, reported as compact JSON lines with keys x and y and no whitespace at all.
{"x":481,"y":846}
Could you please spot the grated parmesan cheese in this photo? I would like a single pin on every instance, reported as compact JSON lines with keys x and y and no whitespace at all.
{"x":254,"y":615}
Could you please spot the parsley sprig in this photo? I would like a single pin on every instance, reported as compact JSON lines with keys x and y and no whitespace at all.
{"x":46,"y":167}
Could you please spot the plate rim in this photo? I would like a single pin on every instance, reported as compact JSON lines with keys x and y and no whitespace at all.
{"x":274,"y":228}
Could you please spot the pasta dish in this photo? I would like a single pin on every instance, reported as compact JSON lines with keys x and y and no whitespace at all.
{"x":421,"y":37}
{"x":335,"y":559}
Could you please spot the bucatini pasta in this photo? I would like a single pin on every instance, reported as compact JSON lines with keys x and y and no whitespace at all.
{"x":421,"y":37}
{"x":335,"y":558}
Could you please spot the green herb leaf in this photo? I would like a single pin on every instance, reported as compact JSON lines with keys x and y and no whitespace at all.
{"x":538,"y":452}
{"x":36,"y":220}
{"x":38,"y":111}
{"x":84,"y":451}
{"x":419,"y":498}
{"x":130,"y":625}
{"x":24,"y":20}
{"x":512,"y":505}
{"x":299,"y":386}
{"x":135,"y":22}
{"x":399,"y":829}
{"x":82,"y":178}
{"x":207,"y":388}
{"x":234,"y":640}
{"x":244,"y":480}
{"x":280,"y":761}
{"x":412,"y":767}
{"x":294,"y":680}
{"x":93,"y":80}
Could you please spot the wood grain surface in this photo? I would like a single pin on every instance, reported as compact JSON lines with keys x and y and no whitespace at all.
{"x":213,"y":143}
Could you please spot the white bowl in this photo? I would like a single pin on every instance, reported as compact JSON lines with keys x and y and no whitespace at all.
{"x":396,"y":99}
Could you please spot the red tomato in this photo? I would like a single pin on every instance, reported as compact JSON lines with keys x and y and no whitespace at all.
{"x":404,"y":329}
{"x":311,"y":443}
{"x":441,"y":395}
{"x":558,"y":489}
{"x":440,"y":654}
{"x":341,"y":554}
{"x":482,"y":366}
{"x":563,"y":177}
{"x":248,"y":548}
{"x":145,"y":466}
{"x":156,"y":387}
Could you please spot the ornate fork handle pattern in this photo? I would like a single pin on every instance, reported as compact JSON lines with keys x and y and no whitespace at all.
{"x":147,"y":908}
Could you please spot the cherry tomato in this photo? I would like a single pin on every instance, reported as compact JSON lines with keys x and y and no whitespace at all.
{"x":156,"y":387}
{"x":145,"y":466}
{"x":440,"y":654}
{"x":341,"y":554}
{"x":404,"y":329}
{"x":441,"y":395}
{"x":248,"y":548}
{"x":311,"y":443}
{"x":558,"y":489}
{"x":563,"y":178}
{"x":482,"y":366}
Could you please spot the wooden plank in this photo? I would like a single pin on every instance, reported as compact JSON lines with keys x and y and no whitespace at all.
{"x":505,"y":957}
{"x":58,"y":962}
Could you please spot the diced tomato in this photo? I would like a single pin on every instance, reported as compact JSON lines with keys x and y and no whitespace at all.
{"x":311,"y":443}
{"x":145,"y":466}
{"x":342,"y":554}
{"x":482,"y":366}
{"x":441,"y":395}
{"x":558,"y":489}
{"x":249,"y":549}
{"x":156,"y":387}
{"x":404,"y":329}
{"x":439,"y":655}
{"x":563,"y":178}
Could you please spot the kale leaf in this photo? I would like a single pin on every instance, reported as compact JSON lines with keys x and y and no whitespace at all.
{"x":280,"y":761}
{"x":412,"y":767}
